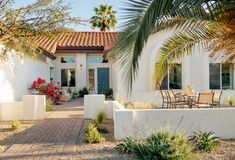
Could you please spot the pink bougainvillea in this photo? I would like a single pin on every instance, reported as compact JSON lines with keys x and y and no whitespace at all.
{"x":51,"y":90}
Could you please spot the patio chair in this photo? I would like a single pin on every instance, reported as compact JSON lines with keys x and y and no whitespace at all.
{"x":165,"y":98}
{"x":217,"y":98}
{"x":205,"y":100}
{"x":175,"y":99}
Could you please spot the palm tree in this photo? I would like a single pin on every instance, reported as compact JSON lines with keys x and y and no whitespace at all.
{"x":104,"y":19}
{"x":202,"y":22}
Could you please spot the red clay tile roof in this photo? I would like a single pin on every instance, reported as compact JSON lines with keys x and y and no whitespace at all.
{"x":79,"y":40}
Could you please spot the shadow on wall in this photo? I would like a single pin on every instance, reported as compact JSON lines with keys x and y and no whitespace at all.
{"x":16,"y":77}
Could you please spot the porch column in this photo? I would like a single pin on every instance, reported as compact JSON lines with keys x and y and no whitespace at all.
{"x":81,"y":68}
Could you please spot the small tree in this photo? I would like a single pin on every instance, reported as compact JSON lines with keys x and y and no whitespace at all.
{"x":104,"y":19}
{"x":18,"y":26}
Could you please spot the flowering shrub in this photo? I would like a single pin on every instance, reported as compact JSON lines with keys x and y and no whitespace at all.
{"x":51,"y":90}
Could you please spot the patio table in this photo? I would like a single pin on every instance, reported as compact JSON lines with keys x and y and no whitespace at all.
{"x":189,"y":98}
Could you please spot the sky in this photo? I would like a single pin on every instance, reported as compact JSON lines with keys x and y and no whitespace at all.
{"x":82,"y":8}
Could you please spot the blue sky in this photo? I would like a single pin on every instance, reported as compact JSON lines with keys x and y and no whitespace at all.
{"x":82,"y":8}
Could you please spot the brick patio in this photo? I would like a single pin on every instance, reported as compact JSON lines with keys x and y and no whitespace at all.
{"x":53,"y":138}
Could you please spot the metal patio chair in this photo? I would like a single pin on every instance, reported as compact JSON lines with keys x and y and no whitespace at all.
{"x":205,"y":100}
{"x":217,"y":98}
{"x":176,"y":99}
{"x":165,"y":98}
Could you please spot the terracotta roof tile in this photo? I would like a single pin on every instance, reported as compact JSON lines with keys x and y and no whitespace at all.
{"x":79,"y":40}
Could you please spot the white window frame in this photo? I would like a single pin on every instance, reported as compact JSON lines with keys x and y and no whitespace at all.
{"x":221,"y":84}
{"x":75,"y":59}
{"x":93,"y":91}
{"x":168,"y":78}
{"x":67,"y":76}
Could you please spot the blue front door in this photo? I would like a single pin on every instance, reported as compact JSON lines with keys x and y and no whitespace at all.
{"x":103,"y":79}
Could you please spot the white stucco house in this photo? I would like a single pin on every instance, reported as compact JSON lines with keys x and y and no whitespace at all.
{"x":79,"y":59}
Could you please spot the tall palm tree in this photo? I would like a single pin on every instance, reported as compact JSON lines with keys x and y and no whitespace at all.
{"x":104,"y":19}
{"x":202,"y":22}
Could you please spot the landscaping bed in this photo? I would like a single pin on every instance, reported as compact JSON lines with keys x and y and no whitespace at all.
{"x":107,"y":149}
{"x":9,"y":136}
{"x":225,"y":151}
{"x":104,"y":150}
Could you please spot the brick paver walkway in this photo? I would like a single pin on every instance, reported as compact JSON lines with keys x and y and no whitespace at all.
{"x":53,"y":138}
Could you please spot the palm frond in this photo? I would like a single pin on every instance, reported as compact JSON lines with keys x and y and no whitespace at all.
{"x":156,"y":15}
{"x":181,"y":44}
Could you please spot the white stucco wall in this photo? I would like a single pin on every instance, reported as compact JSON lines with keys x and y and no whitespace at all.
{"x":142,"y":123}
{"x":15,"y":80}
{"x":195,"y":71}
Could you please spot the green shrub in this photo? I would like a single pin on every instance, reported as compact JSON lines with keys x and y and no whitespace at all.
{"x":92,"y":135}
{"x":162,"y":145}
{"x":230,"y":101}
{"x":49,"y":105}
{"x":100,"y":117}
{"x":139,"y":106}
{"x":15,"y":125}
{"x":127,"y":145}
{"x":108,"y":92}
{"x":101,"y":129}
{"x":204,"y":141}
{"x":83,"y":92}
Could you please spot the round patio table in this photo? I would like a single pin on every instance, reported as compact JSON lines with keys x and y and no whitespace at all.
{"x":189,"y":99}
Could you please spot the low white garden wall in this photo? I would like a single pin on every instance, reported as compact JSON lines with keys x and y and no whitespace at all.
{"x":141,"y":123}
{"x":32,"y":107}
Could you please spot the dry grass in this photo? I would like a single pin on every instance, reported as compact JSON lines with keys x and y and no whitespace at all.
{"x":139,"y":106}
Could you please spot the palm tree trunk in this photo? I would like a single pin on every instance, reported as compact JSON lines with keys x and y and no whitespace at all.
{"x":104,"y":27}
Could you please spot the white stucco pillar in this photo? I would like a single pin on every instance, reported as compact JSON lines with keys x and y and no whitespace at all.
{"x":93,"y":104}
{"x":81,"y":70}
{"x":34,"y":107}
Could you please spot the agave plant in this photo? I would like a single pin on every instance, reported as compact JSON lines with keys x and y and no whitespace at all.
{"x":203,"y":22}
{"x":204,"y":141}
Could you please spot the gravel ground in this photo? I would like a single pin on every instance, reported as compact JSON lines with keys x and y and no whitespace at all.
{"x":9,"y":137}
{"x":225,"y":151}
{"x":105,"y":150}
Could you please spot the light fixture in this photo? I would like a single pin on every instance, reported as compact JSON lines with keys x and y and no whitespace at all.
{"x":81,"y":67}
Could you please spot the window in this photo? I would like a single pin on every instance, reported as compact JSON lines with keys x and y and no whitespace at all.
{"x":221,"y":76}
{"x":51,"y":73}
{"x":67,"y":59}
{"x":91,"y":73}
{"x":173,"y":80}
{"x":68,"y":77}
{"x":95,"y":60}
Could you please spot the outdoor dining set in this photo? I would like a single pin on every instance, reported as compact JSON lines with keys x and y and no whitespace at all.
{"x":207,"y":99}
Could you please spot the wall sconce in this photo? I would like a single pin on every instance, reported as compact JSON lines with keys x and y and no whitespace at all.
{"x":81,"y":67}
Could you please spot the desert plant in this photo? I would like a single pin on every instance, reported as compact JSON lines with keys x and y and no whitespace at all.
{"x":204,"y":141}
{"x":49,"y":105}
{"x":92,"y":135}
{"x":83,"y":92}
{"x":100,"y":117}
{"x":230,"y":101}
{"x":162,"y":145}
{"x":108,"y":92}
{"x":15,"y":125}
{"x":101,"y":129}
{"x":127,"y":145}
{"x":139,"y":106}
